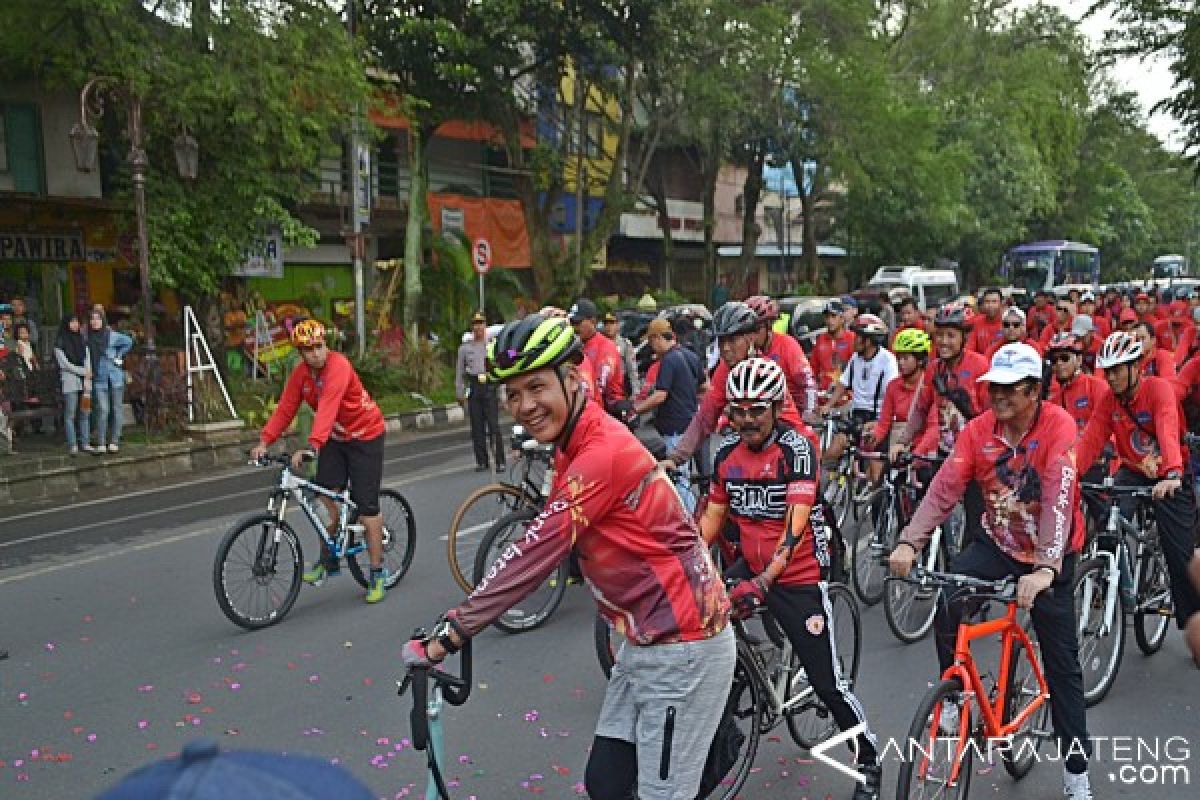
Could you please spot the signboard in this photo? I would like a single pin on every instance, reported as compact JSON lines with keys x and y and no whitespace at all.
{"x":362,"y":184}
{"x":31,"y":246}
{"x":481,"y":256}
{"x":264,"y":257}
{"x":454,"y":220}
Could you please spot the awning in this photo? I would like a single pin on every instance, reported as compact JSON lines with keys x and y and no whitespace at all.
{"x":387,"y":115}
{"x":775,"y":251}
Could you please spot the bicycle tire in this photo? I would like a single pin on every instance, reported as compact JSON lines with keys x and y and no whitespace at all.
{"x":1099,"y":670}
{"x":1150,"y":626}
{"x":602,"y":638}
{"x":399,"y":540}
{"x":811,"y":723}
{"x":469,"y":521}
{"x":747,"y":701}
{"x":1019,"y":758}
{"x":900,"y":597}
{"x":542,"y":602}
{"x":263,"y":525}
{"x":839,"y":496}
{"x":866,"y":567}
{"x":921,"y":732}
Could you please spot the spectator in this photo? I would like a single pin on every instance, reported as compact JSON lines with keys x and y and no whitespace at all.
{"x":75,"y":372}
{"x":673,"y":396}
{"x":612,"y":329}
{"x":24,"y":344}
{"x":107,"y":349}
{"x":477,"y":396}
{"x":21,"y":316}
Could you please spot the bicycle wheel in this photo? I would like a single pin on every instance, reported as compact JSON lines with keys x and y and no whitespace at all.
{"x":910,"y":608}
{"x":474,"y":517}
{"x":1021,"y":752}
{"x":838,"y":494}
{"x":532,"y":611}
{"x":1152,"y":618}
{"x":926,"y":770}
{"x":399,"y":540}
{"x":867,"y":567}
{"x":606,"y":649}
{"x":745,"y":704}
{"x":257,"y":571}
{"x":1100,"y":644}
{"x":810,"y":722}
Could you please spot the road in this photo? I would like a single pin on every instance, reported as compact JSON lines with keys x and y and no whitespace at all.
{"x":119,"y":655}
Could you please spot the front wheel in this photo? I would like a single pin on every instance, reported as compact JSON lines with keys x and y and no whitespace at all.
{"x":532,"y":611}
{"x":399,"y":540}
{"x":1020,"y":754}
{"x":928,"y":771}
{"x":1101,"y":640}
{"x":257,"y":571}
{"x":866,"y":556}
{"x":745,"y":707}
{"x":473,"y":518}
{"x":1152,"y":619}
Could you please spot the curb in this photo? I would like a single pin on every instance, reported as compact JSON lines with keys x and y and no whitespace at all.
{"x":61,"y":476}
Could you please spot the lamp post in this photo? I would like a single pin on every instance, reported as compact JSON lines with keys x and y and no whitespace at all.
{"x":85,"y":144}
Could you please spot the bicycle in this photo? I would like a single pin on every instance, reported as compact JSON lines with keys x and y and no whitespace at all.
{"x":425,"y":719}
{"x":532,"y":611}
{"x":266,"y":546}
{"x":1013,"y":708}
{"x":1110,"y":585}
{"x":532,"y":474}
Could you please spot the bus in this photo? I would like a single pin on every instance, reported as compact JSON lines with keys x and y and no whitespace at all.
{"x":1173,"y":266}
{"x":1044,"y":265}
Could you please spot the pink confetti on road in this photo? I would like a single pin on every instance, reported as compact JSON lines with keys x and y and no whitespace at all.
{"x":91,"y":737}
{"x":314,"y":678}
{"x":22,"y":696}
{"x":531,"y":715}
{"x":194,"y":698}
{"x":143,"y":724}
{"x":50,"y":647}
{"x":151,"y":746}
{"x":464,"y":759}
{"x":233,"y":687}
{"x":382,"y":740}
{"x":145,"y":688}
{"x":87,"y":617}
{"x":238,"y":667}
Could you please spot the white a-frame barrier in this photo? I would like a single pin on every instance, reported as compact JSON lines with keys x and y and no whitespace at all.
{"x":199,"y":360}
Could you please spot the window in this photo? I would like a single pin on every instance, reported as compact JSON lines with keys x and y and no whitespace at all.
{"x":593,"y":124}
{"x":938,"y":293}
{"x":3,"y":144}
{"x":23,"y":147}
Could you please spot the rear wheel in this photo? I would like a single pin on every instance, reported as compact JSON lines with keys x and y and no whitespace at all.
{"x":1021,"y":753}
{"x":927,"y":771}
{"x":1100,"y":644}
{"x":257,"y":571}
{"x":867,"y":567}
{"x":909,"y":607}
{"x":605,"y":642}
{"x":474,"y":517}
{"x":811,"y":723}
{"x":399,"y":540}
{"x":533,"y":610}
{"x":745,"y":705}
{"x":1154,"y":607}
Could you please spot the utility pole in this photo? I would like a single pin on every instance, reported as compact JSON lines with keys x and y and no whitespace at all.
{"x":580,"y":171}
{"x":360,"y":203}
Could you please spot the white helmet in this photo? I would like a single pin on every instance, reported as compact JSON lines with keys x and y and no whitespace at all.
{"x":1121,"y":347}
{"x":756,"y":380}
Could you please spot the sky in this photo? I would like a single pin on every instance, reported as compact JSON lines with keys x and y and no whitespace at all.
{"x":1151,"y":80}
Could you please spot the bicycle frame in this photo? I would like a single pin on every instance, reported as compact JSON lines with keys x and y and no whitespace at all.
{"x":293,"y":486}
{"x":776,"y":692}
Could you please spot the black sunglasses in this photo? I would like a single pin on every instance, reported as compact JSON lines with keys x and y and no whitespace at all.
{"x":741,"y":412}
{"x":1061,"y":358}
{"x":1014,"y":324}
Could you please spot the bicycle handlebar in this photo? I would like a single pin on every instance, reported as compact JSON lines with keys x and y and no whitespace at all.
{"x":280,"y":460}
{"x":1132,"y":491}
{"x":1004,"y":589}
{"x":455,"y":691}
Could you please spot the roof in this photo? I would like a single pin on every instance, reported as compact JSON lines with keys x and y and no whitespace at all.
{"x":775,"y":251}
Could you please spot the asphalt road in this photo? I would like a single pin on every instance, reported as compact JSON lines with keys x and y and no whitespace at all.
{"x":119,"y":655}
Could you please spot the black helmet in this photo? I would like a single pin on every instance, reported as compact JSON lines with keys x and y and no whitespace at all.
{"x":733,"y":318}
{"x":954,"y":315}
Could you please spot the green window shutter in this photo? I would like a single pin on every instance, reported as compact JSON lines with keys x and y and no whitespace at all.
{"x":23,"y":135}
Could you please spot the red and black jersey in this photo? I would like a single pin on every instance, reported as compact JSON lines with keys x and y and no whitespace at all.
{"x":830,"y":355}
{"x":758,"y":486}
{"x":639,"y":548}
{"x":1147,"y":431}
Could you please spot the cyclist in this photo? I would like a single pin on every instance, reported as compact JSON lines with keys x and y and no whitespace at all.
{"x":601,"y":352}
{"x":1064,"y":315}
{"x":1156,"y":362}
{"x":1041,"y":314}
{"x":866,"y":377}
{"x":1021,"y":452}
{"x":766,"y":482}
{"x":643,"y":557}
{"x":988,"y":331}
{"x":1012,"y":330}
{"x":784,"y":351}
{"x":1100,"y":321}
{"x":1083,"y":329}
{"x":1142,"y":416}
{"x":833,"y":348}
{"x":911,"y":348}
{"x":346,"y":440}
{"x":1072,"y":389}
{"x":910,"y":316}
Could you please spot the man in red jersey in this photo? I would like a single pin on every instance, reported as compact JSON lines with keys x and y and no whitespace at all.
{"x":910,"y":316}
{"x":642,"y":556}
{"x":601,"y":351}
{"x":1156,"y":362}
{"x":1083,"y":329}
{"x":1041,"y":314}
{"x":833,"y":348}
{"x":1064,"y":314}
{"x":1100,"y":321}
{"x":1021,"y":452}
{"x":784,"y":351}
{"x":1142,"y":416}
{"x":1012,"y":331}
{"x":912,"y":349}
{"x":987,"y":331}
{"x":346,"y":440}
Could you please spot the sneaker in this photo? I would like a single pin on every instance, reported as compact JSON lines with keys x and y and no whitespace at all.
{"x":872,"y":788}
{"x":319,"y":572}
{"x":1076,"y":787}
{"x":377,"y":588}
{"x":87,"y":448}
{"x":72,"y":450}
{"x":114,"y":447}
{"x":948,"y":722}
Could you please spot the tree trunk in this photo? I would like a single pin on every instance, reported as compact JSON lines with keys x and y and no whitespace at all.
{"x":751,"y":191}
{"x":708,"y":177}
{"x":417,"y":167}
{"x":812,"y":260}
{"x":658,"y":193}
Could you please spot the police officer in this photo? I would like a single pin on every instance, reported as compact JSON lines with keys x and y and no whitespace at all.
{"x":478,"y":396}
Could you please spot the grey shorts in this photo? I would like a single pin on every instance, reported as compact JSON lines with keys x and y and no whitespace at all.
{"x":667,"y":700}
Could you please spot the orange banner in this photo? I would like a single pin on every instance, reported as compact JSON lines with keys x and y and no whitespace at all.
{"x":501,"y":222}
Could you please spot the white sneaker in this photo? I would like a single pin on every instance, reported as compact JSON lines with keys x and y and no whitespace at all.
{"x":1076,"y":787}
{"x":112,"y":448}
{"x":948,"y":723}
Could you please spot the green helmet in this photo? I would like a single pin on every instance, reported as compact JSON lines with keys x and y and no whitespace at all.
{"x":912,"y":340}
{"x":530,"y":344}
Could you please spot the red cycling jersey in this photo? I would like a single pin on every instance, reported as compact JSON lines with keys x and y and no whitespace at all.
{"x":1037,"y":319}
{"x":939,"y":415}
{"x":1079,"y":398}
{"x":1049,"y":332}
{"x":897,"y":403}
{"x":607,"y":366}
{"x":639,"y":549}
{"x":344,"y":409}
{"x":1147,"y":431}
{"x":758,"y":486}
{"x":830,"y":355}
{"x":789,"y":355}
{"x":1030,"y":491}
{"x":985,"y":333}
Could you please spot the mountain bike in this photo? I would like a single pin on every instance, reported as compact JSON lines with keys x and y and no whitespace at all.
{"x":1013,"y":708}
{"x":259,"y":564}
{"x":1114,"y":581}
{"x":425,"y":719}
{"x":533,"y":610}
{"x":528,"y":485}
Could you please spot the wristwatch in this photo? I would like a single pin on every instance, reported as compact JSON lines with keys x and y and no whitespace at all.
{"x":1174,"y":475}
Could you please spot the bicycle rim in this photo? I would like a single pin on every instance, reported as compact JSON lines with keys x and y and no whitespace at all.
{"x":473,"y":518}
{"x":1100,"y":645}
{"x":747,"y":702}
{"x":927,"y":767}
{"x":1154,"y":590}
{"x":604,"y":641}
{"x":1023,"y":689}
{"x":868,"y":569}
{"x":399,"y":540}
{"x":253,"y":587}
{"x":910,"y":609}
{"x":535,"y":608}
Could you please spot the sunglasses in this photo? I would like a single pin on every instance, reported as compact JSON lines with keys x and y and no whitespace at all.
{"x":755,"y":410}
{"x":310,"y":348}
{"x":1014,"y":324}
{"x":1061,"y":358}
{"x":1064,"y":309}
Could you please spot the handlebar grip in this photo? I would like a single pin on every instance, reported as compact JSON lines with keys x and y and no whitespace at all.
{"x":417,"y":718}
{"x":457,"y":692}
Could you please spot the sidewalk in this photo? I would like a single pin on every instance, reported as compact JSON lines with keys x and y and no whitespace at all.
{"x":41,"y":469}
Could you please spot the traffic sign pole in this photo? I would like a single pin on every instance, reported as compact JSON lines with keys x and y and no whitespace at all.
{"x":481,"y":306}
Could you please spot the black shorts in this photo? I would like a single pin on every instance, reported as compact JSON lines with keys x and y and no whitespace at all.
{"x":357,"y":461}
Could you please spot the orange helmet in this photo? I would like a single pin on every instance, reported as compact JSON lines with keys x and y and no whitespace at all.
{"x":308,"y":333}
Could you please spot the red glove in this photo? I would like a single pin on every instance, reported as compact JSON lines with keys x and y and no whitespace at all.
{"x":747,"y":596}
{"x":416,"y":654}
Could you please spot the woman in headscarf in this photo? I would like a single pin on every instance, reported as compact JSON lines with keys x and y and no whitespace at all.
{"x":107,"y":349}
{"x":75,"y":372}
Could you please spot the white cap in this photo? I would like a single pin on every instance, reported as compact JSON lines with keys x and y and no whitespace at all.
{"x":1013,"y":363}
{"x":1082,"y":325}
{"x":1087,"y":297}
{"x":1013,"y":311}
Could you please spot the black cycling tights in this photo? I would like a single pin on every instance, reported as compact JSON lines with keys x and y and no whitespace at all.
{"x":612,"y":771}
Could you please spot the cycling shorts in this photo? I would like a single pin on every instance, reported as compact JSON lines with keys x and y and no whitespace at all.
{"x":358,"y":462}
